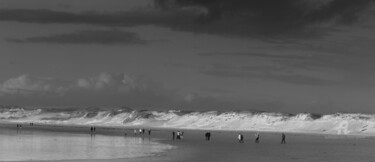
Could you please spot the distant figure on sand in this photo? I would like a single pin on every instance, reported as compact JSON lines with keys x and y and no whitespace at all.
{"x":149,"y":131}
{"x":135,"y":132}
{"x":240,"y":138}
{"x":208,"y":136}
{"x":173,"y":135}
{"x":19,"y":126}
{"x":256,"y":137}
{"x":140,"y":131}
{"x":283,"y":139}
{"x":178,"y":135}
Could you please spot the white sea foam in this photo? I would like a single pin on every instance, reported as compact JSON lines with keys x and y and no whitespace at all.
{"x":339,"y":123}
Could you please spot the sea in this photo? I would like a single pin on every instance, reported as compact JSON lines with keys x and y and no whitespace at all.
{"x":336,"y":124}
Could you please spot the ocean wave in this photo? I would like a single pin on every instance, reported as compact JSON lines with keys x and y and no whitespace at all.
{"x":339,"y":123}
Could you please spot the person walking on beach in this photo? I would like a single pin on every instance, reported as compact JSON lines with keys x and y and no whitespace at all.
{"x":135,"y":132}
{"x":19,"y":128}
{"x":149,"y":131}
{"x":178,"y":135}
{"x":240,"y":138}
{"x":208,"y":136}
{"x":256,"y":137}
{"x":173,"y":135}
{"x":283,"y":139}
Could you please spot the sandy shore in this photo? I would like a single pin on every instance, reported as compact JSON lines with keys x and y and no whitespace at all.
{"x":223,"y":146}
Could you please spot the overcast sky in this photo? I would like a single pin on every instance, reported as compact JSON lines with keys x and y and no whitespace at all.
{"x":269,"y":55}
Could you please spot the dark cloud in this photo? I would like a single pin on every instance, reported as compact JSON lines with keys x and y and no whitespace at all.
{"x":260,"y":55}
{"x":107,"y":37}
{"x":256,"y":18}
{"x":129,"y":18}
{"x":215,"y":90}
{"x":283,"y":60}
{"x":286,"y":78}
{"x":282,"y":73}
{"x":270,"y":17}
{"x":64,"y":6}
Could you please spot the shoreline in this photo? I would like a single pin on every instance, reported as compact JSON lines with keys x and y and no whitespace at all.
{"x":224,"y":146}
{"x":110,"y":130}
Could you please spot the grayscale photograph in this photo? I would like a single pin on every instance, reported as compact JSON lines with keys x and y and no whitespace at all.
{"x":187,"y":80}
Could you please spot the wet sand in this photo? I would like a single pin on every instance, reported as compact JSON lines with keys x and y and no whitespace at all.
{"x":224,"y":146}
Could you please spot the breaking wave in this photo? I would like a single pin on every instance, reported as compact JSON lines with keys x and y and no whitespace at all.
{"x":339,"y":123}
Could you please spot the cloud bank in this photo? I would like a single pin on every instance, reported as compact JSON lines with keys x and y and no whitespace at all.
{"x":104,"y":89}
{"x":28,"y":85}
{"x":110,"y":82}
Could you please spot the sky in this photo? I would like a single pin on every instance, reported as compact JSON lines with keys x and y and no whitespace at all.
{"x":289,"y":56}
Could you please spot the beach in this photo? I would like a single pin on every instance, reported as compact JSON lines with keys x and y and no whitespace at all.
{"x":224,"y":146}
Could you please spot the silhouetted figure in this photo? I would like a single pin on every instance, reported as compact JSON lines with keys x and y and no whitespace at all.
{"x":149,"y":131}
{"x":240,"y":138}
{"x":143,"y":131}
{"x":208,"y":136}
{"x":256,"y":137}
{"x":94,"y":129}
{"x":18,"y":128}
{"x":283,"y":139}
{"x":135,"y":132}
{"x":140,"y":131}
{"x":173,"y":135}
